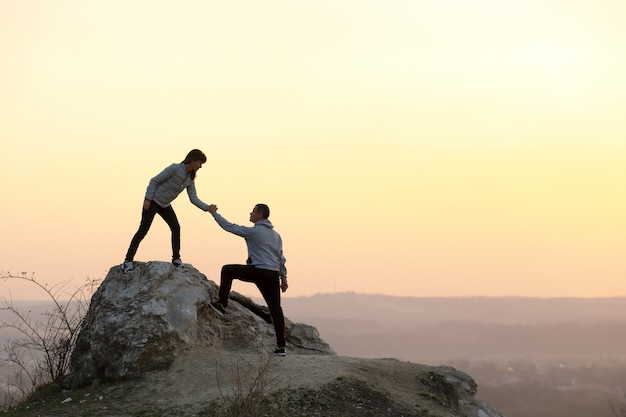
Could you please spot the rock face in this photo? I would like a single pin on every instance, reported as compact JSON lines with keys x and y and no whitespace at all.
{"x":143,"y":320}
{"x":156,"y":323}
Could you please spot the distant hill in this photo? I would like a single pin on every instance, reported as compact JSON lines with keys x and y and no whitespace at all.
{"x":435,"y":330}
{"x":390,"y":310}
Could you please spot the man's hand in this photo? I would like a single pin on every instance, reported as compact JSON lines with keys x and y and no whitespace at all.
{"x":146,"y":204}
{"x":212,"y":208}
{"x":284,"y":286}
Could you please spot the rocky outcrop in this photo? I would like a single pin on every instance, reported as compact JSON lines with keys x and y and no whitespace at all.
{"x":141,"y":321}
{"x":454,"y":391}
{"x":156,"y":323}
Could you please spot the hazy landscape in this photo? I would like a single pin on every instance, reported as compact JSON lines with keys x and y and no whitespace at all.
{"x":549,"y":357}
{"x":544,"y":357}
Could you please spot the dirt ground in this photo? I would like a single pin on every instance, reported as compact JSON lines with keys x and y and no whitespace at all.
{"x":200,"y":379}
{"x":209,"y":375}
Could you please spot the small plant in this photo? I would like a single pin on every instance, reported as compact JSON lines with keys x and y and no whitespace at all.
{"x":251,"y":389}
{"x":40,"y":353}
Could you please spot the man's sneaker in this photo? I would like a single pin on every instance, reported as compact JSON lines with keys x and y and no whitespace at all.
{"x":127,"y":266}
{"x":219,"y":308}
{"x":178,"y":264}
{"x":280,"y":351}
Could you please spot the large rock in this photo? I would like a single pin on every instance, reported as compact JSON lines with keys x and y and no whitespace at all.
{"x":143,"y":320}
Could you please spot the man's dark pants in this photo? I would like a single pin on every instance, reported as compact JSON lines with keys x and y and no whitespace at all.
{"x":268,"y":283}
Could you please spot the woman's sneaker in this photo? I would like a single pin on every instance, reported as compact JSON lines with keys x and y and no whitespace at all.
{"x":127,"y":266}
{"x":178,"y":264}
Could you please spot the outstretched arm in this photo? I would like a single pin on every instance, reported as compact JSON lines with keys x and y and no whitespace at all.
{"x":228,"y":226}
{"x":193,"y":197}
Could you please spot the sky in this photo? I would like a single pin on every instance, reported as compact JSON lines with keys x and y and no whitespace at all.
{"x":407,"y":148}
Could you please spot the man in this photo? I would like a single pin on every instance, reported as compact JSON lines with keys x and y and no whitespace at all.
{"x":265,"y":266}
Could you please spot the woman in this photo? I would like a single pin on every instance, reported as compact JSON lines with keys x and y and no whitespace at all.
{"x":162,"y":190}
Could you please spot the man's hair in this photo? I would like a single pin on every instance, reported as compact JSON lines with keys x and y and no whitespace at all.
{"x":263,"y":209}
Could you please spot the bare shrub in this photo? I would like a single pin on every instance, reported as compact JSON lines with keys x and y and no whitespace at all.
{"x":41,"y":351}
{"x":251,"y":386}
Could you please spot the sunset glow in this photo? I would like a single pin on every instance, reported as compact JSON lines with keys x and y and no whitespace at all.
{"x":406,"y":148}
